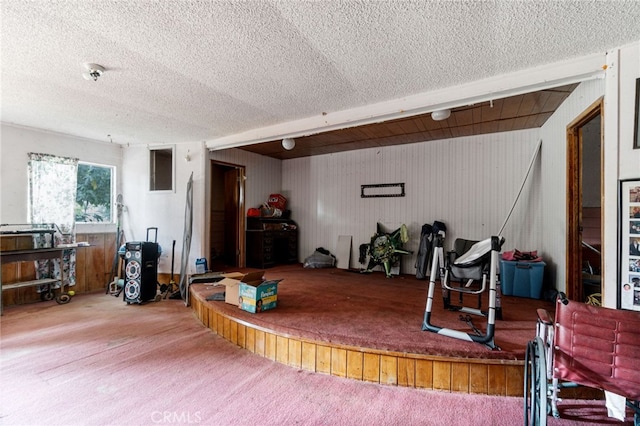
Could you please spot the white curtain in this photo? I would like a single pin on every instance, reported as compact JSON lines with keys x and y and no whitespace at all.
{"x":52,"y":196}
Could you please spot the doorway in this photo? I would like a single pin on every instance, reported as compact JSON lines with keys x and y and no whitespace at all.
{"x":584,"y":206}
{"x":227,"y":247}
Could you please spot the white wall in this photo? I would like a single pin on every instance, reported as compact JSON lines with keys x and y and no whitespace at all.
{"x":165,"y":210}
{"x":469,"y":183}
{"x":143,"y":209}
{"x":264,"y":174}
{"x":554,"y":177}
{"x":629,"y":71}
{"x":16,"y":142}
{"x":621,"y":160}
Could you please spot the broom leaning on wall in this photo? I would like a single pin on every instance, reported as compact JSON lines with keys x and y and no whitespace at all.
{"x":112,"y":285}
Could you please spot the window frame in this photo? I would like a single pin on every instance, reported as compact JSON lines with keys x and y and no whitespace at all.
{"x":112,"y":195}
{"x":151,"y":174}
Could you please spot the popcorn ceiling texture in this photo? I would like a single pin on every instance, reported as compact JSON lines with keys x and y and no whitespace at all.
{"x":198,"y":70}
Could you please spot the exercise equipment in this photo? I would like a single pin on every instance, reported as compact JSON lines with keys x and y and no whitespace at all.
{"x":476,"y":271}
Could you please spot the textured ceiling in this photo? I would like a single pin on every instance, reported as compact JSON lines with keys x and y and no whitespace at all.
{"x":184,"y":71}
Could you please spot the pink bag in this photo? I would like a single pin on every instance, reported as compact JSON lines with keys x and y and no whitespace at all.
{"x":521,"y":256}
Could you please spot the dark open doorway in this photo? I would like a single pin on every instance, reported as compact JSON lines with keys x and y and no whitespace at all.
{"x":227,"y":216}
{"x":584,"y":205}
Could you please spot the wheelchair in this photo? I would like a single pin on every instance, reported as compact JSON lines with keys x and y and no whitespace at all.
{"x":588,"y":346}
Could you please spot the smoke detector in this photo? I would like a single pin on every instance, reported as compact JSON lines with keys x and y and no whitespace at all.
{"x":93,"y":71}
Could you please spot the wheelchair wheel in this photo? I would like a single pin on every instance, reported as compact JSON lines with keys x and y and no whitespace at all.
{"x":535,"y":384}
{"x":635,"y":407}
{"x":45,"y":296}
{"x":63,"y":299}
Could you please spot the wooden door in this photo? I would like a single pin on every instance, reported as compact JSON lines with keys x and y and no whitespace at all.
{"x":231,"y":200}
{"x":226,"y":216}
{"x":584,"y":220}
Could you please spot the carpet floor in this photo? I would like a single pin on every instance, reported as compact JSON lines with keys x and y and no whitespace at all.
{"x":370,"y":310}
{"x":99,"y":361}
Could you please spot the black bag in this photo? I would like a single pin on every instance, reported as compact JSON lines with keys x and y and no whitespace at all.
{"x":424,"y":251}
{"x":426,"y":248}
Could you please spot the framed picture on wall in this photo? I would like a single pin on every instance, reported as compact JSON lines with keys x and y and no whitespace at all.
{"x":636,"y":131}
{"x":629,"y":273}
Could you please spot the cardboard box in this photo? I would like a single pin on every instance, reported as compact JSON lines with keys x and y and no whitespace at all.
{"x":232,"y":281}
{"x":258,"y":297}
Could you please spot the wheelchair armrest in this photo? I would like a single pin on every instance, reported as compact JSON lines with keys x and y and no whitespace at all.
{"x":544,"y":317}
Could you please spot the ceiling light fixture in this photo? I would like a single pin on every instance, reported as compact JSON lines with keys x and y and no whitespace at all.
{"x":288,"y":143}
{"x":93,"y":71}
{"x":441,"y":114}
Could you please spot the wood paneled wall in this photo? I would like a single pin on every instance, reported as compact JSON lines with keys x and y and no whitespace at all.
{"x":470,"y":183}
{"x":93,"y":270}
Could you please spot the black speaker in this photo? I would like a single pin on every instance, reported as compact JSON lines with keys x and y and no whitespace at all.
{"x":141,"y":271}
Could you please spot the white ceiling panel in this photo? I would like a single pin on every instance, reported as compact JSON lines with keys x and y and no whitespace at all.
{"x":181,"y":71}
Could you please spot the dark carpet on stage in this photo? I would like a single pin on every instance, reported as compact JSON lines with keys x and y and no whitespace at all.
{"x":370,"y":310}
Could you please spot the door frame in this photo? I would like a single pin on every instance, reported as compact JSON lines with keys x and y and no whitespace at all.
{"x":573,"y":284}
{"x":239,"y":232}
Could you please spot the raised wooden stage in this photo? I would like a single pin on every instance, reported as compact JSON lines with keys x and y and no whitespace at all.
{"x":368,"y":327}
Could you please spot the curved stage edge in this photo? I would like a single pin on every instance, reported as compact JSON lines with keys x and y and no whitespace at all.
{"x":502,"y":377}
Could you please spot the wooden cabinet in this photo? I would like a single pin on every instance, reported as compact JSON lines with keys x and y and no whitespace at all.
{"x":271,"y":241}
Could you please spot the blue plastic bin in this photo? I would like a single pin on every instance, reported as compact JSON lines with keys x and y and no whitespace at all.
{"x":523,"y":279}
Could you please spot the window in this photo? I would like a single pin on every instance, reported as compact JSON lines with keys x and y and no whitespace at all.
{"x":52,"y":190}
{"x":52,"y":193}
{"x":161,"y":169}
{"x":94,"y":195}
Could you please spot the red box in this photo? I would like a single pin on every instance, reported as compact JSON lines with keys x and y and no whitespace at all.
{"x":278,"y":201}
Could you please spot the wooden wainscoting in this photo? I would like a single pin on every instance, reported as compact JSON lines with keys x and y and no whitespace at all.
{"x":93,"y":264}
{"x":464,"y":375}
{"x":93,"y":270}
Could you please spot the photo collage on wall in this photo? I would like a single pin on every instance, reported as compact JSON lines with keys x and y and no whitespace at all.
{"x":630,"y":271}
